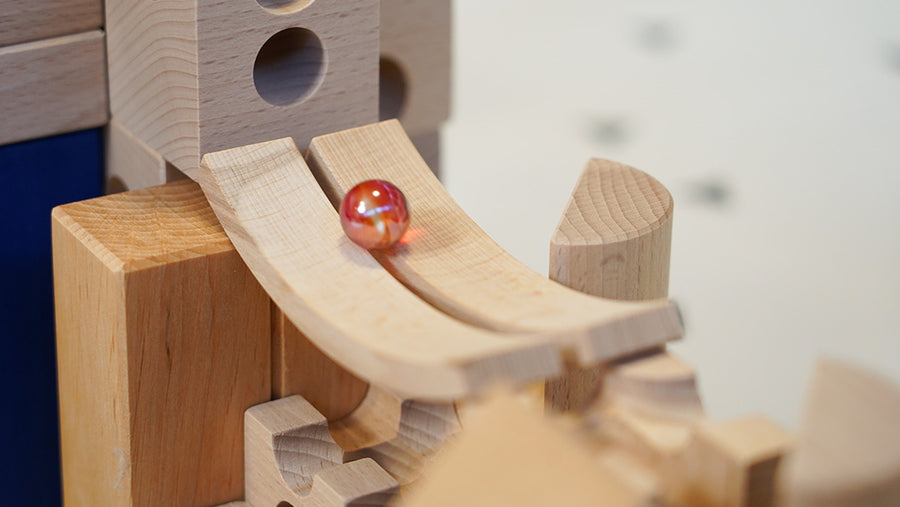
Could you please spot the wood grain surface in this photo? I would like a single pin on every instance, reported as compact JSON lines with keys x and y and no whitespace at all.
{"x":41,"y":19}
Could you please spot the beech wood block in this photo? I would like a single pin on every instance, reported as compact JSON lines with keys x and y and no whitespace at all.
{"x":415,"y":63}
{"x":22,"y":21}
{"x":731,"y":464}
{"x":299,"y":367}
{"x":131,"y":164}
{"x":162,"y":343}
{"x":848,"y":450}
{"x":450,"y":262}
{"x":191,"y":77}
{"x":613,"y":241}
{"x":52,"y":86}
{"x":291,"y":457}
{"x":341,"y":298}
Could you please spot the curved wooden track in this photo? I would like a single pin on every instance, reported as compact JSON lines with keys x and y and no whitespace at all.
{"x":453,"y":264}
{"x":340,"y":297}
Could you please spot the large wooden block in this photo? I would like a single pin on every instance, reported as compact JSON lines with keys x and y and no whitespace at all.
{"x":163,"y":341}
{"x":52,"y":86}
{"x":415,"y":63}
{"x":22,"y":21}
{"x":191,"y":77}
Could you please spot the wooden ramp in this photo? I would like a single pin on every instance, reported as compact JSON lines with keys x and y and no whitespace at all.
{"x":490,"y":319}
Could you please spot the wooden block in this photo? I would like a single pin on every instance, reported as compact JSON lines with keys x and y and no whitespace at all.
{"x":729,"y":464}
{"x":511,"y":455}
{"x":291,"y":238}
{"x":131,"y":164}
{"x":299,"y":367}
{"x":415,"y":63}
{"x":41,"y":19}
{"x":291,"y":458}
{"x":447,"y":260}
{"x":848,"y":450}
{"x":428,"y":144}
{"x":613,"y":241}
{"x":35,"y":176}
{"x":162,"y":342}
{"x":191,"y":77}
{"x":52,"y":86}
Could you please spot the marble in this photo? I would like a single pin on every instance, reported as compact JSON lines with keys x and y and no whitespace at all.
{"x":374,"y":214}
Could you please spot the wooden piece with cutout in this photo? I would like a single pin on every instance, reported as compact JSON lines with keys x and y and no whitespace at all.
{"x":189,"y":76}
{"x":290,"y":236}
{"x":848,"y":450}
{"x":52,"y":86}
{"x":290,"y":457}
{"x":162,"y":343}
{"x":613,"y":241}
{"x":43,"y":19}
{"x":451,"y":263}
{"x":415,"y":63}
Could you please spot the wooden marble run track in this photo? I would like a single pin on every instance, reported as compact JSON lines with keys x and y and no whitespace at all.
{"x":482,"y":318}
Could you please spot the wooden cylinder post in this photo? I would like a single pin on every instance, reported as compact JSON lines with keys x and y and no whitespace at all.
{"x":613,"y":241}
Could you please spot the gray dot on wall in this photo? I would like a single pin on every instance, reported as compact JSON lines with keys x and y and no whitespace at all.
{"x":893,"y":57}
{"x":609,"y":131}
{"x":657,"y":35}
{"x":712,"y":191}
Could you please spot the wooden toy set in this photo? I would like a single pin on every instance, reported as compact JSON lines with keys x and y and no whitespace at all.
{"x":222,"y":341}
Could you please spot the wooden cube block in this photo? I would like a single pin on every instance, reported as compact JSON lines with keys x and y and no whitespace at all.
{"x":191,"y":77}
{"x":415,"y":63}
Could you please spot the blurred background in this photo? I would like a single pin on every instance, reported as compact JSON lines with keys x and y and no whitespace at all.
{"x":775,"y":126}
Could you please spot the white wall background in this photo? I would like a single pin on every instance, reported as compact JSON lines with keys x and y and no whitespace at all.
{"x":775,"y":125}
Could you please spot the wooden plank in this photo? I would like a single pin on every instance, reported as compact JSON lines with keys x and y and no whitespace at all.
{"x":415,"y":63}
{"x":185,"y":75}
{"x":848,"y":452}
{"x":340,"y":297}
{"x":162,"y":342}
{"x":299,"y":367}
{"x":131,"y":164}
{"x":41,"y":19}
{"x":52,"y":86}
{"x":450,"y":262}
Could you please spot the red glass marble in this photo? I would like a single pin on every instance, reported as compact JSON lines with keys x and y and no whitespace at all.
{"x":374,"y":214}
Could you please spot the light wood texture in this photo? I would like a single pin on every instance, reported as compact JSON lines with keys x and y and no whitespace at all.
{"x":182,"y":73}
{"x":290,"y":457}
{"x":416,"y":40}
{"x":730,"y":463}
{"x":131,"y":164}
{"x":162,"y":343}
{"x":450,"y":262}
{"x":52,"y":86}
{"x":848,"y":450}
{"x":510,"y":455}
{"x":340,"y":297}
{"x":41,"y":19}
{"x":299,"y":367}
{"x":613,"y":241}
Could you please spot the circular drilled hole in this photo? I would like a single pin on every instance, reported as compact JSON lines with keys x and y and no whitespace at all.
{"x":289,"y":67}
{"x":391,"y":89}
{"x":285,"y":504}
{"x":284,"y":6}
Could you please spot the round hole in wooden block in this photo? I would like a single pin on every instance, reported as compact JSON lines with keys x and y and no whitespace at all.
{"x":391,"y":89}
{"x":289,"y":67}
{"x":284,"y":504}
{"x":284,"y":6}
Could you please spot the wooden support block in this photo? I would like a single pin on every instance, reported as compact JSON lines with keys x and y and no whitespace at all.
{"x":191,"y":77}
{"x":415,"y":63}
{"x":613,"y":241}
{"x":52,"y":86}
{"x":290,"y":457}
{"x":848,"y":450}
{"x":131,"y":164}
{"x":730,"y":464}
{"x":291,"y":238}
{"x":299,"y":367}
{"x":428,"y":144}
{"x":40,"y":19}
{"x":448,"y":261}
{"x":162,"y":342}
{"x":510,"y":454}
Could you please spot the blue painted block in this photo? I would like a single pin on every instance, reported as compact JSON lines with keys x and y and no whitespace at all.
{"x":35,"y":176}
